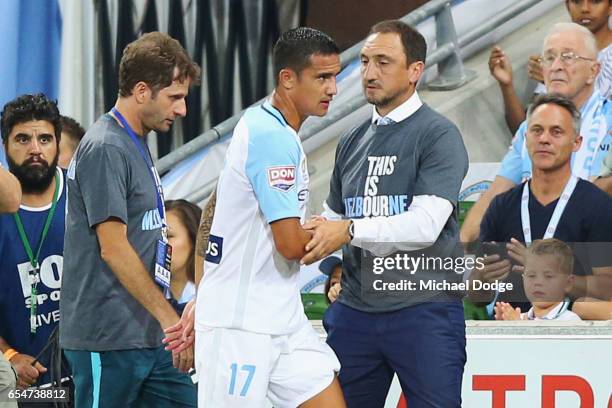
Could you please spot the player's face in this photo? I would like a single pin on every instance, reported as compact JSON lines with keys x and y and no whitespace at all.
{"x":592,"y":14}
{"x":387,"y":78}
{"x":551,"y":138}
{"x":316,"y":85}
{"x":32,"y":154}
{"x":544,"y":282}
{"x":161,"y":110}
{"x":569,"y":79}
{"x":178,"y":237}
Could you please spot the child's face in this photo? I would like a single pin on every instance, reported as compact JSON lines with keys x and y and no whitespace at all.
{"x":545,"y":283}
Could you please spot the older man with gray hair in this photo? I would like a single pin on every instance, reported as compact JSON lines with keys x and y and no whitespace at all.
{"x":570,"y":67}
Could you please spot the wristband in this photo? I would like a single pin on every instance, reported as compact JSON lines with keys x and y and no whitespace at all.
{"x":10,"y":353}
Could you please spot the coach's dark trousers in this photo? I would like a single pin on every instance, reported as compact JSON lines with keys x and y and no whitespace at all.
{"x":424,"y":344}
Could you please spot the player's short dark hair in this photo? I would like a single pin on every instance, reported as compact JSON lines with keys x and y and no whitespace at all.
{"x":73,"y":129}
{"x":562,"y":102}
{"x":295,"y":47}
{"x":189,"y":214}
{"x":415,"y":47}
{"x":27,"y":108}
{"x":152,"y":59}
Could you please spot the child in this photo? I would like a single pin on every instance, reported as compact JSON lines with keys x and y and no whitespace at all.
{"x":547,"y":278}
{"x":332,"y":267}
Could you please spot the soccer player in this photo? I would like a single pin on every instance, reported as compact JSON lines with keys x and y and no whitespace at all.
{"x":253,"y":339}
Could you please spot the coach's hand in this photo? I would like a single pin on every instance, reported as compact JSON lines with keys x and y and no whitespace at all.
{"x":181,"y":335}
{"x":327,"y":237}
{"x":27,"y":374}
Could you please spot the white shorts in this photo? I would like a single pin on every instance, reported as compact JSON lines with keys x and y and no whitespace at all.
{"x":237,"y":368}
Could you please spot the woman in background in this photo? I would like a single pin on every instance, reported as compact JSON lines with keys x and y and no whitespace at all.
{"x":183,"y":220}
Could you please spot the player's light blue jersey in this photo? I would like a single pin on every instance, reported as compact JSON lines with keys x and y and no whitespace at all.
{"x":247,"y":283}
{"x":586,"y":162}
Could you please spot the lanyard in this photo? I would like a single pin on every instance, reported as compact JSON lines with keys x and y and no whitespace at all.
{"x":557,"y":213}
{"x":146,"y":156}
{"x":34,"y":275}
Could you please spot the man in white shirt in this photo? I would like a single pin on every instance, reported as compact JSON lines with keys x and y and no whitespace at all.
{"x":395,"y":185}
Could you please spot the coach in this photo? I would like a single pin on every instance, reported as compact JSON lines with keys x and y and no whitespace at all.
{"x":395,"y":185}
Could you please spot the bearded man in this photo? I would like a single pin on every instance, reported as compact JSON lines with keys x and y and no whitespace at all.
{"x":32,"y":239}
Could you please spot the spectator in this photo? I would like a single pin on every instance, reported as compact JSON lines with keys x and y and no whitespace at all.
{"x":595,"y":15}
{"x":593,"y":309}
{"x":72,"y":133}
{"x":32,"y":240}
{"x":114,"y":313}
{"x":554,"y":206}
{"x":570,"y":70}
{"x":591,"y":14}
{"x":604,"y":181}
{"x":183,"y":222}
{"x":332,"y":267}
{"x":394,"y":188}
{"x":548,"y":278}
{"x":10,"y":192}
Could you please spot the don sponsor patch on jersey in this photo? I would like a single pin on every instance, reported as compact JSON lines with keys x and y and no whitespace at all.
{"x":281,"y":177}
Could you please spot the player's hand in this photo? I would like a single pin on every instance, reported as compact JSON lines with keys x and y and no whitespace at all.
{"x":534,"y":68}
{"x":183,"y":360}
{"x":499,"y":66}
{"x":505,"y":311}
{"x":181,"y":335}
{"x":327,"y":237}
{"x":517,"y":251}
{"x":27,"y":374}
{"x":334,"y":292}
{"x":494,"y":269}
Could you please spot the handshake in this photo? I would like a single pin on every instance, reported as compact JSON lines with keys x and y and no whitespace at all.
{"x":326,"y":237}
